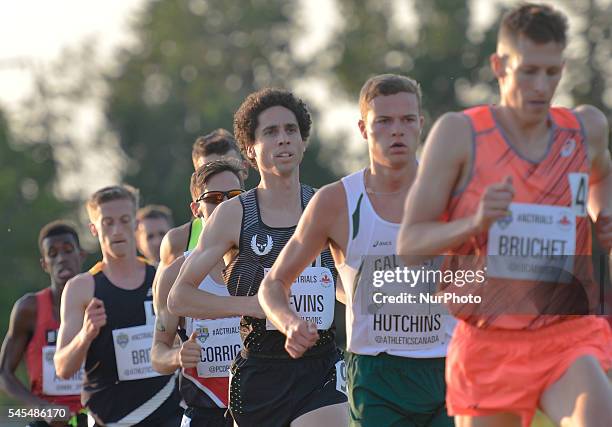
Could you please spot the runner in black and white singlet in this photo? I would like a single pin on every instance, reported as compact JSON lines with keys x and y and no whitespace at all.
{"x":268,"y":387}
{"x":209,"y":345}
{"x":395,"y":367}
{"x":107,"y":323}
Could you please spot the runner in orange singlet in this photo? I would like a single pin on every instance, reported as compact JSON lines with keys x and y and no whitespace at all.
{"x":512,"y":180}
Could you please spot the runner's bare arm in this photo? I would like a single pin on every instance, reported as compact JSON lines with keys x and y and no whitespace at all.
{"x":220,"y":234}
{"x":164,"y":354}
{"x":600,"y":187}
{"x":340,"y":294}
{"x":20,"y":330}
{"x":74,"y":339}
{"x":310,"y":238}
{"x":173,"y":244}
{"x":447,"y":153}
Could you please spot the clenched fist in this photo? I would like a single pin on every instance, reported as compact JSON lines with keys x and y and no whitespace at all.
{"x":93,"y":319}
{"x":494,"y":204}
{"x":301,"y":336}
{"x":189,"y":355}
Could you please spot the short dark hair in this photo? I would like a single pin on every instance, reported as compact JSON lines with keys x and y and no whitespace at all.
{"x":110,"y":193}
{"x":154,"y":212}
{"x":386,"y":84}
{"x":540,"y":23}
{"x":246,"y":117}
{"x":219,"y":141}
{"x":200,"y":177}
{"x":56,"y":228}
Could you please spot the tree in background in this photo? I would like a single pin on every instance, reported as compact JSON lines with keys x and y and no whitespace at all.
{"x":27,"y":176}
{"x":192,"y":65}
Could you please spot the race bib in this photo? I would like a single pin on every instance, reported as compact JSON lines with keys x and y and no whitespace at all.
{"x":133,"y":352}
{"x":341,"y":376}
{"x":579,"y":186}
{"x":219,"y":340}
{"x":395,"y":301}
{"x":534,"y":242}
{"x":312,"y":297}
{"x":149,"y":312}
{"x":52,"y":384}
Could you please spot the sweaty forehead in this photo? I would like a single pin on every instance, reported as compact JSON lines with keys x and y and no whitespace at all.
{"x":59,"y":239}
{"x":523,"y":50}
{"x":116,"y":208}
{"x":398,"y":104}
{"x":275,"y":116}
{"x":153,"y":224}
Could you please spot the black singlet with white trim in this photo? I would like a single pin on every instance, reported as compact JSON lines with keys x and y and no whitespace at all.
{"x":107,"y":397}
{"x":259,"y":247}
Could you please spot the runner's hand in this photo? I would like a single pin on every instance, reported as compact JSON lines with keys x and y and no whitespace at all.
{"x":93,"y":319}
{"x":301,"y":336}
{"x":189,"y":355}
{"x":603,"y":229}
{"x":494,"y":204}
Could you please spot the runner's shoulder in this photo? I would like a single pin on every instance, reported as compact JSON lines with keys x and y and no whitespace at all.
{"x":331,"y":197}
{"x":230,"y":211}
{"x":25,"y":308}
{"x":174,"y":242}
{"x":451,"y":136}
{"x":80,"y":286}
{"x":595,"y":123}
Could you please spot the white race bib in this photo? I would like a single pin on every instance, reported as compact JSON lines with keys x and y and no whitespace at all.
{"x":52,"y":384}
{"x":133,"y":352}
{"x":149,"y":312}
{"x":579,"y":186}
{"x":535,"y":243}
{"x":219,"y":340}
{"x":313,"y":297}
{"x":341,"y":376}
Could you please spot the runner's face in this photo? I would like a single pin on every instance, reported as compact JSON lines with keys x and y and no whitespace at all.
{"x":223,"y":181}
{"x":115,"y":227}
{"x":62,"y":258}
{"x":392,"y":128}
{"x":149,"y":235}
{"x":530,"y":75}
{"x":278,"y":146}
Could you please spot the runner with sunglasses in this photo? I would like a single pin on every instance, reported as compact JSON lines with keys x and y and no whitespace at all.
{"x":216,"y":145}
{"x":268,"y":387}
{"x":212,"y":344}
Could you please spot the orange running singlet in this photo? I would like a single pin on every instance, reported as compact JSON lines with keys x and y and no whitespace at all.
{"x":548,"y":213}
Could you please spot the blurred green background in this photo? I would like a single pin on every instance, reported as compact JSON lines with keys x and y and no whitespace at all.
{"x":190,"y":65}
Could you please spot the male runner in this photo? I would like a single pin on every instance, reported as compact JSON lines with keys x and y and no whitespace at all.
{"x":267,"y":386}
{"x":518,"y":172}
{"x":204,"y":357}
{"x":107,"y":322}
{"x":396,"y":362}
{"x":218,"y":144}
{"x":33,"y":329}
{"x":152,"y":224}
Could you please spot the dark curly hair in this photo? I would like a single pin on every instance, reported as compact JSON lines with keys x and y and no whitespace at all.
{"x":245,"y":118}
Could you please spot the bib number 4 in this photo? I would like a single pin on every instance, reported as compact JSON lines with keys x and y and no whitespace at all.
{"x":579,"y":186}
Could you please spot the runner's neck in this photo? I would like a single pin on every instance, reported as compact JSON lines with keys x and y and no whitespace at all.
{"x":276,"y":192}
{"x":127,"y":273}
{"x":381,"y":180}
{"x":520,"y":133}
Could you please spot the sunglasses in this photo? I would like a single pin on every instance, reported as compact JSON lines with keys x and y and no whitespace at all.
{"x":216,"y":197}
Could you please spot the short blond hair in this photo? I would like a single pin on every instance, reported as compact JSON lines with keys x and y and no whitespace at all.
{"x":386,"y":84}
{"x":108,"y":194}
